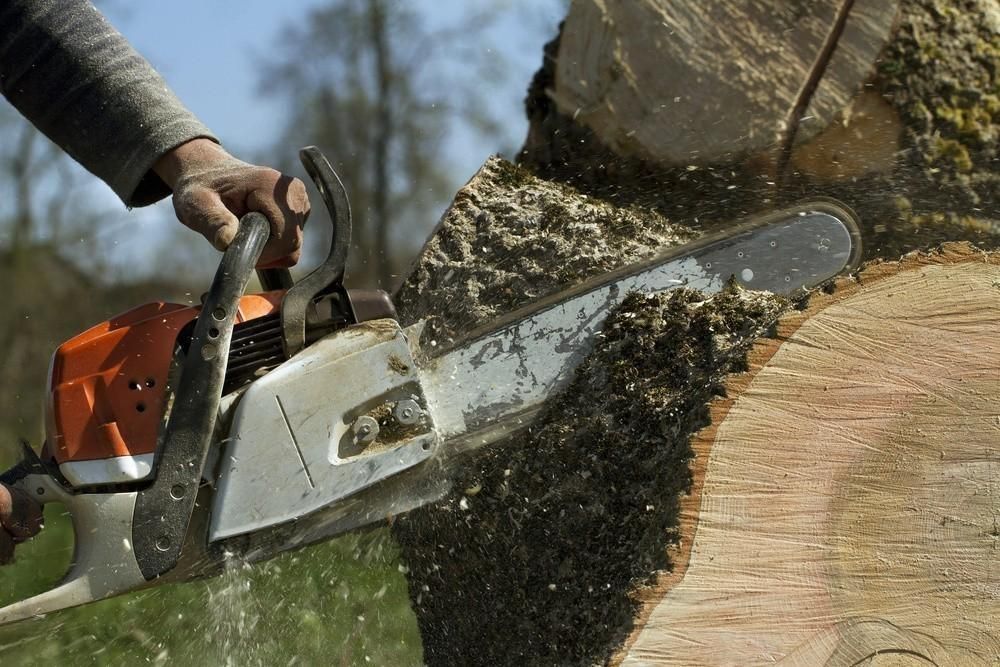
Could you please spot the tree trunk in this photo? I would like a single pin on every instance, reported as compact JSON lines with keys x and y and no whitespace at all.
{"x":23,"y":169}
{"x":384,"y":136}
{"x":695,"y":119}
{"x":840,"y":505}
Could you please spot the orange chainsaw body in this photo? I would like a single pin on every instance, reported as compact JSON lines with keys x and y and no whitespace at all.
{"x":107,"y":385}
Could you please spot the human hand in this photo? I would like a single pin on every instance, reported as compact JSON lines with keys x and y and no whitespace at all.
{"x":212,"y":190}
{"x":20,"y":519}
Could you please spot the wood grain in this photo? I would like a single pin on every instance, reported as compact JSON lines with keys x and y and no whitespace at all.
{"x":695,"y":82}
{"x":847,"y":500}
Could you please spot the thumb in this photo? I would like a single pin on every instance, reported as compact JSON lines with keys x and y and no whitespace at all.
{"x":203,"y":211}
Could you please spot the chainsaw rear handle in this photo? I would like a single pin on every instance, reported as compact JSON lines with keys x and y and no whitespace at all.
{"x":126,"y":539}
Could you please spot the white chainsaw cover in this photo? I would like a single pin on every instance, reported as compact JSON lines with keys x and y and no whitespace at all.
{"x":291,"y":449}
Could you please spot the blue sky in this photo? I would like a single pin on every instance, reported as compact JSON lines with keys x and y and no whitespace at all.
{"x":208,"y":52}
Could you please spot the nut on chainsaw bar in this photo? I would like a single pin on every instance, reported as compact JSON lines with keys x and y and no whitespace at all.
{"x":407,"y":412}
{"x":365,"y":429}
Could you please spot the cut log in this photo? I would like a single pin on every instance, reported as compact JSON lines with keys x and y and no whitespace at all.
{"x":914,"y":155}
{"x":695,"y":82}
{"x":842,"y":504}
{"x":845,"y":502}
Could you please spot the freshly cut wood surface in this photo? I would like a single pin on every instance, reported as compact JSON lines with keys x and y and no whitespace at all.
{"x":846,"y":507}
{"x":694,"y":82}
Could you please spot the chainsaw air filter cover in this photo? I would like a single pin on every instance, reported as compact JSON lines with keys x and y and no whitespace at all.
{"x":107,"y":390}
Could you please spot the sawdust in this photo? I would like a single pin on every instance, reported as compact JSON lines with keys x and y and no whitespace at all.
{"x":397,"y":365}
{"x":509,"y":239}
{"x":391,"y":430}
{"x":534,"y":558}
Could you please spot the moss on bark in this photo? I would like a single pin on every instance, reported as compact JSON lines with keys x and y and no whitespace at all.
{"x":940,"y":75}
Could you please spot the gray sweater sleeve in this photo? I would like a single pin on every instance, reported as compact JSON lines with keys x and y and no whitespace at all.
{"x":78,"y":80}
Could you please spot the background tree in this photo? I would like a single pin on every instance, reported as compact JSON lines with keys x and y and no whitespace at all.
{"x":51,"y":225}
{"x":379,"y":89}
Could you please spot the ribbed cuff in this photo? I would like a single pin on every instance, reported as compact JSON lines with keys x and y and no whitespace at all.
{"x":136,"y":182}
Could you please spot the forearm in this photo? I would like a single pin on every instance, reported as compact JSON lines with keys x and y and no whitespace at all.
{"x":78,"y":80}
{"x":194,"y":154}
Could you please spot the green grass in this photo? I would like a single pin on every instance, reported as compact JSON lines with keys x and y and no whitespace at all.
{"x":340,"y":603}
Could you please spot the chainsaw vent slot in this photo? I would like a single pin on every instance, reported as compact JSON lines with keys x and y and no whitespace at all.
{"x":255,"y":345}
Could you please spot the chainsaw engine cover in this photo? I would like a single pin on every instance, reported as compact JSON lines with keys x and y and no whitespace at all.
{"x":345,"y":413}
{"x":107,"y":390}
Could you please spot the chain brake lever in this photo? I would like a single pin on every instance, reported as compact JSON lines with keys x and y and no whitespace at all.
{"x":328,"y":277}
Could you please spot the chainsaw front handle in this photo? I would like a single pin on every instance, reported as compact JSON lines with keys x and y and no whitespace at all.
{"x":328,"y":277}
{"x":163,"y":509}
{"x":127,"y":539}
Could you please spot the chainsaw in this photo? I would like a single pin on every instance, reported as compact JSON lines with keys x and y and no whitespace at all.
{"x":183,"y":438}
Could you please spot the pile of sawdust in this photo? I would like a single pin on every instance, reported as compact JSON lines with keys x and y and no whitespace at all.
{"x":536,"y":554}
{"x":509,"y":239}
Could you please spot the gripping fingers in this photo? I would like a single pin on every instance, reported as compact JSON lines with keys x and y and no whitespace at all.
{"x":213,"y":211}
{"x":286,"y":206}
{"x":6,"y":548}
{"x":202,"y":210}
{"x":20,"y":516}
